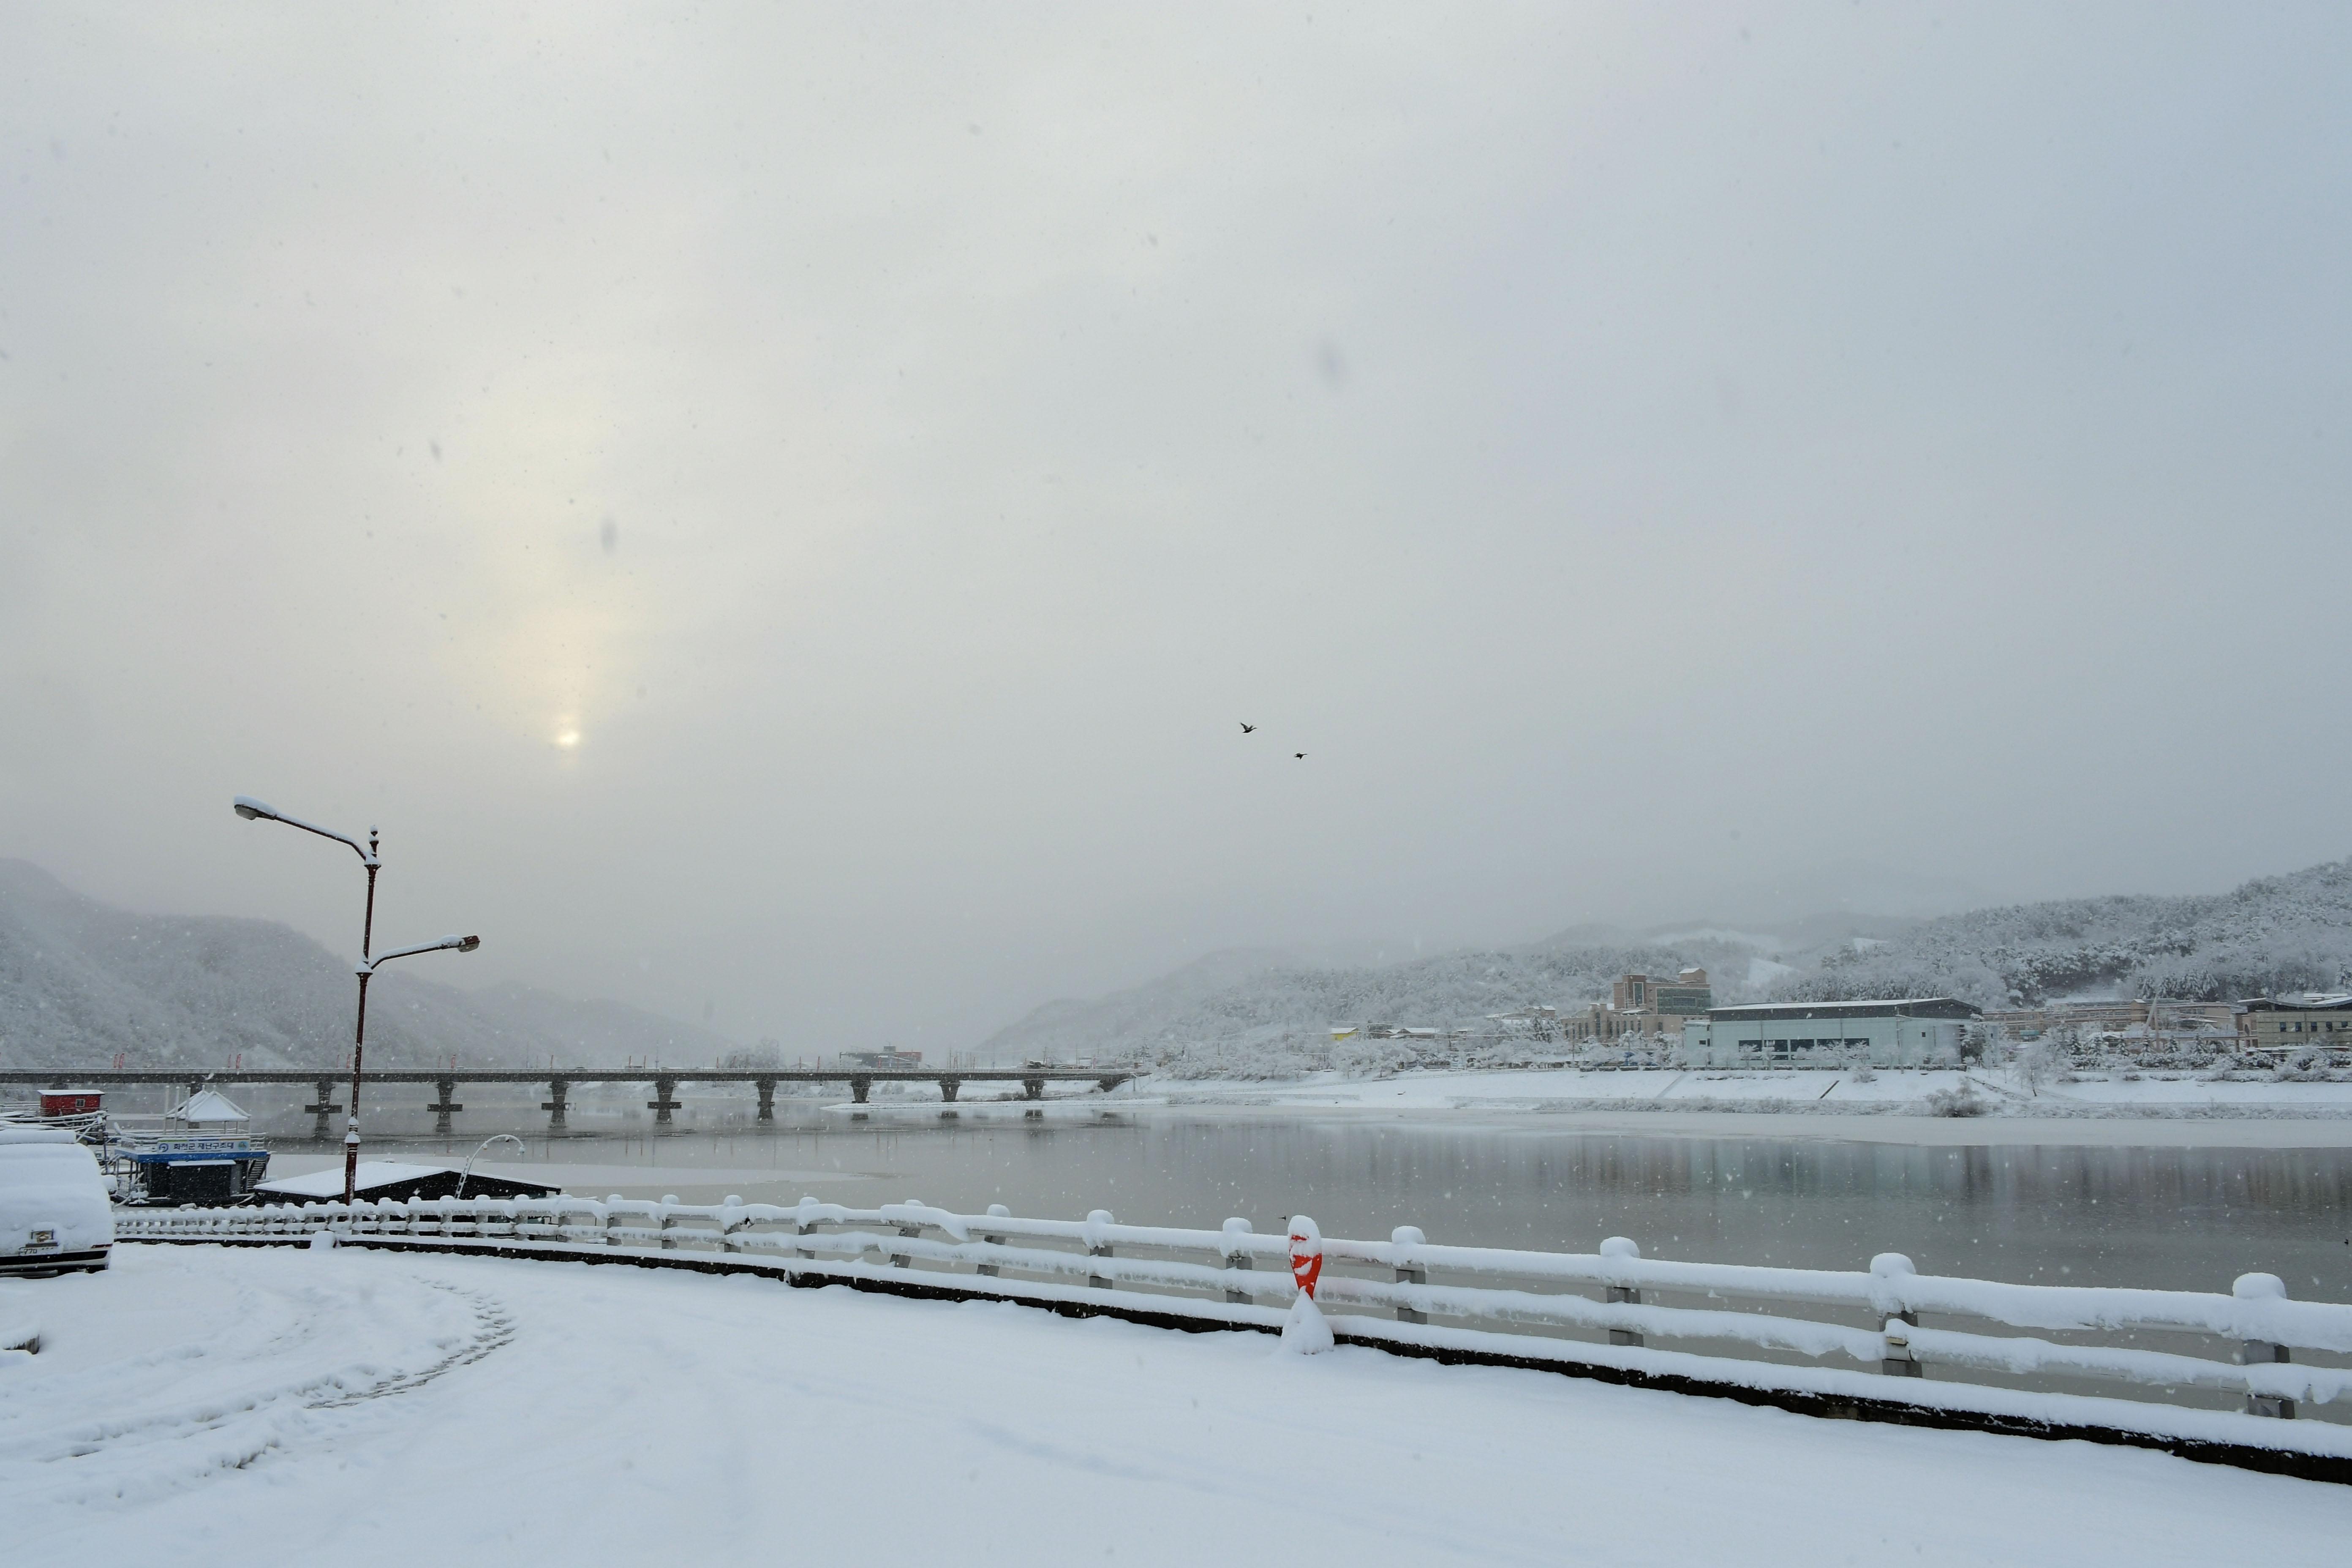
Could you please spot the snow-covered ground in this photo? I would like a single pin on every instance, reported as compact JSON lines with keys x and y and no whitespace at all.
{"x":1822,"y":1091}
{"x":286,"y":1405}
{"x":1885,"y":1105}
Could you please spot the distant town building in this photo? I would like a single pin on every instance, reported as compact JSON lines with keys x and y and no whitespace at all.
{"x":885,"y":1060}
{"x":2308,"y":1021}
{"x":1909,"y":1031}
{"x":2171,"y":1020}
{"x":1638,"y":1005}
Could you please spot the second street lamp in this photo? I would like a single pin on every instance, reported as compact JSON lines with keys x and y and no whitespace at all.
{"x":366,"y":971}
{"x":253,"y":810}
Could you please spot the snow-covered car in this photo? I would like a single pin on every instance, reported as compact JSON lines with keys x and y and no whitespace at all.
{"x":55,"y":1214}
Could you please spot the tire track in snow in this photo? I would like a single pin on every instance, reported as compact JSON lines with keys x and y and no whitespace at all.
{"x":255,"y":1374}
{"x":495,"y":1328}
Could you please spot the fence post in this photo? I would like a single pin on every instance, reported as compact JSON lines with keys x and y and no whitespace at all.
{"x":1403,"y":1237}
{"x":611,"y":1200}
{"x":1896,"y":1319}
{"x":726,"y":1223}
{"x":1099,"y":1249}
{"x":1622,"y":1247}
{"x":1236,"y":1257}
{"x":2262,"y":1352}
{"x":995,"y":1211}
{"x":899,"y":1260}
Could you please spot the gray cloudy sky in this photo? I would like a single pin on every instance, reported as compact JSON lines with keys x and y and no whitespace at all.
{"x":785,"y":506}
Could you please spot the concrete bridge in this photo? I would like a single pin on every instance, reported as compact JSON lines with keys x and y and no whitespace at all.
{"x":664,"y":1080}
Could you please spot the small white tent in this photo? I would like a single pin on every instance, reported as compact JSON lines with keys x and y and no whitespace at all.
{"x":208,"y":1110}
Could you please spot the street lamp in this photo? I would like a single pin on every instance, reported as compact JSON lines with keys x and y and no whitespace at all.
{"x":253,"y":810}
{"x":366,"y":971}
{"x":494,"y":1138}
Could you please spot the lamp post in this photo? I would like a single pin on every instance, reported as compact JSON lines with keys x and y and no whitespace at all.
{"x":253,"y":810}
{"x":366,"y":971}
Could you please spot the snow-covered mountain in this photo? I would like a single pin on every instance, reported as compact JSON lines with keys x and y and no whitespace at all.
{"x":2275,"y":933}
{"x":1247,"y":1013}
{"x":80,"y":982}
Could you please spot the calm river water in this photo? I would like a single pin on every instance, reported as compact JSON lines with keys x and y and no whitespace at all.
{"x":2186,"y":1218}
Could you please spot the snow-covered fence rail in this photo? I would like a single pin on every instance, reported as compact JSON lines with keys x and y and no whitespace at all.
{"x":1481,"y":1293}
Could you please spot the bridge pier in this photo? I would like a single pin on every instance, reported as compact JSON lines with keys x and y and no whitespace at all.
{"x":325,"y":1107}
{"x":858,"y":1088}
{"x":1033,"y":1089}
{"x":559,"y":1091}
{"x":664,"y":1101}
{"x":947,"y":1087}
{"x":767,"y":1086}
{"x":445,"y":1108}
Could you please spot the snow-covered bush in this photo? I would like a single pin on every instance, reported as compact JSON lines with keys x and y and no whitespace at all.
{"x":1962,"y":1099}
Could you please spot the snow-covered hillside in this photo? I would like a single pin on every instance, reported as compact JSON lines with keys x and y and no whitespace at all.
{"x":2275,"y":933}
{"x":1247,"y":1015}
{"x":80,"y":982}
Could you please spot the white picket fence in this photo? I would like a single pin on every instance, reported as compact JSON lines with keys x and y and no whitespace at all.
{"x":1488,"y":1289}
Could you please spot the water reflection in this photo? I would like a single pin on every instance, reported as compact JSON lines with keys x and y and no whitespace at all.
{"x":2164,"y":1218}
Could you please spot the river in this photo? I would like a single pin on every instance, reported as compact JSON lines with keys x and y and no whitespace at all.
{"x":2107,"y":1214}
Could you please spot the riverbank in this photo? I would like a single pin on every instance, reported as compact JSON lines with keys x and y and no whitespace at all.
{"x":1884,"y":1106}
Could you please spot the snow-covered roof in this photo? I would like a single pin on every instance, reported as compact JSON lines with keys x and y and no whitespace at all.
{"x":209,"y":1105}
{"x":329,"y":1183}
{"x":1899,"y":1006}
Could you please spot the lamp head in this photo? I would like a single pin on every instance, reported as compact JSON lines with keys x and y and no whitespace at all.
{"x":253,"y":810}
{"x":463,"y":943}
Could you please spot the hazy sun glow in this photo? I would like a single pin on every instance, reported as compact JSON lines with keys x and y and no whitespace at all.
{"x":567,"y":738}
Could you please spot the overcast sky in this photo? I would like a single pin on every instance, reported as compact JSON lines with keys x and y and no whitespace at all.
{"x":784,"y":509}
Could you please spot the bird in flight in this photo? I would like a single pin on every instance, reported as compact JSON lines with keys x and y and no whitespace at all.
{"x":1248,"y":729}
{"x":1300,"y":756}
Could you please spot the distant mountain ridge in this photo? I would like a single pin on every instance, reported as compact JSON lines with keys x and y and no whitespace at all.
{"x":1241,"y":1013}
{"x":1246,"y":1014}
{"x":2273,"y":934}
{"x":81,"y":981}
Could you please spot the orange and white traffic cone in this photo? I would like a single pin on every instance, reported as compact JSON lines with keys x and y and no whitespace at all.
{"x":1305,"y":1333}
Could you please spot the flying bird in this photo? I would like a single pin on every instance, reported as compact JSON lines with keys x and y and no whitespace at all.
{"x":1300,"y":756}
{"x":1247,"y":728}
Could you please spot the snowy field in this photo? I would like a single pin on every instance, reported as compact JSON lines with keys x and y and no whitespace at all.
{"x":1812,"y":1091}
{"x":201,"y":1405}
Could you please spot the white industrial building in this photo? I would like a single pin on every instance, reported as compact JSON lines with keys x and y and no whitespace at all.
{"x":1912,"y":1031}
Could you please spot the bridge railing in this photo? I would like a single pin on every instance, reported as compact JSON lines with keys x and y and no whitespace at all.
{"x":1485,"y":1292}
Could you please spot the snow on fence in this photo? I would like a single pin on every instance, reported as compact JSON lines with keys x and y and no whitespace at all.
{"x":1491,"y":1292}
